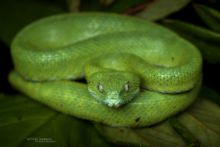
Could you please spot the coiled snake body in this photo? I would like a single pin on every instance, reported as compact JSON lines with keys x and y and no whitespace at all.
{"x":138,"y":73}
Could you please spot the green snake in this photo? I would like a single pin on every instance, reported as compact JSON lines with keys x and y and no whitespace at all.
{"x":137,"y":73}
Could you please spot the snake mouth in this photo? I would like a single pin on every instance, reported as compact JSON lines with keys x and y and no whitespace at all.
{"x":113,"y":103}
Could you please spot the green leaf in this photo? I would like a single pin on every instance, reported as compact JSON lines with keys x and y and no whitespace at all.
{"x":210,"y":16}
{"x":159,"y":135}
{"x":203,"y":120}
{"x":73,"y":5}
{"x":117,"y":6}
{"x":148,"y":9}
{"x":207,"y":41}
{"x":121,"y":6}
{"x":16,"y":14}
{"x":17,"y":122}
{"x":198,"y":126}
{"x":184,"y":133}
{"x":25,"y":123}
{"x":210,"y":94}
{"x":158,"y":9}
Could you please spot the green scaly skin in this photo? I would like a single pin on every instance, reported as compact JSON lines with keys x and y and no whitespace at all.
{"x":138,"y":73}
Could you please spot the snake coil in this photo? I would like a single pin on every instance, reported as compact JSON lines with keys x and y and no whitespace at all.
{"x":52,"y":52}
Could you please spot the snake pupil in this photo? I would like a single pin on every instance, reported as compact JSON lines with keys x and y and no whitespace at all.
{"x":100,"y":87}
{"x":126,"y":87}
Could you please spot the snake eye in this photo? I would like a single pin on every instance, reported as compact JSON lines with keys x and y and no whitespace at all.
{"x":126,"y":87}
{"x":100,"y":87}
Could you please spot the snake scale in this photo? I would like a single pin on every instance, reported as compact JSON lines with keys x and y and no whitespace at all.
{"x":137,"y":73}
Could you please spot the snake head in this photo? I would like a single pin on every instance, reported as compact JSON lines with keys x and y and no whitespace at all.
{"x":114,"y":88}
